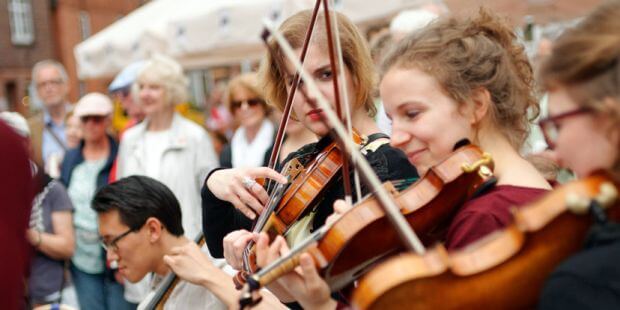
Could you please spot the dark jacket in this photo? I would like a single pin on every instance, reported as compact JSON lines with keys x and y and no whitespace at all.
{"x":75,"y":157}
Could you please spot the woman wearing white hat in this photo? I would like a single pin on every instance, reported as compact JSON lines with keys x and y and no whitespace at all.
{"x":84,"y":170}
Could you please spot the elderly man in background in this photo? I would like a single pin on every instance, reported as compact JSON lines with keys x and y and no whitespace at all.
{"x":48,"y":128}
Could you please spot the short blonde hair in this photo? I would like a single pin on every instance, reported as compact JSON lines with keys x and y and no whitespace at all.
{"x":168,"y":73}
{"x":355,"y":54}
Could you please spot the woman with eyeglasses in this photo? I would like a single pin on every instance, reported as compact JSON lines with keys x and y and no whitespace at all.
{"x":85,"y":169}
{"x":252,"y":142}
{"x":583,"y":128}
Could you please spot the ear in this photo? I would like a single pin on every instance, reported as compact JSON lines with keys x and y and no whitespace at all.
{"x":481,"y":103}
{"x":154,"y":228}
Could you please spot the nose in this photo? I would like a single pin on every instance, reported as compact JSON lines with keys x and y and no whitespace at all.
{"x":399,"y":137}
{"x":111,"y":254}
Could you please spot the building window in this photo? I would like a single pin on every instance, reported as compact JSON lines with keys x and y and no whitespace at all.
{"x":20,"y":19}
{"x":85,"y":24}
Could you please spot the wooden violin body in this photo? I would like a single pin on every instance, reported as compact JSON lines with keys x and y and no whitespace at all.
{"x":363,"y":235}
{"x":304,"y":191}
{"x":504,"y":270}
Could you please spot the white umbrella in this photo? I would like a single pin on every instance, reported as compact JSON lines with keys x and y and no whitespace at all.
{"x":133,"y":37}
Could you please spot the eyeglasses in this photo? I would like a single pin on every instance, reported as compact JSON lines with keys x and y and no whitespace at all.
{"x":94,"y":118}
{"x":54,"y":82}
{"x":551,"y":125}
{"x":250,"y":102}
{"x":113,"y":243}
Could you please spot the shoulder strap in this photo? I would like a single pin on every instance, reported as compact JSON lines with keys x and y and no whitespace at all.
{"x":56,"y":138}
{"x":374,"y":142}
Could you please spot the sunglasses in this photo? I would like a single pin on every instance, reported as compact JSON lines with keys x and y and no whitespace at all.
{"x":550,"y":126}
{"x":95,"y":118}
{"x":250,"y":102}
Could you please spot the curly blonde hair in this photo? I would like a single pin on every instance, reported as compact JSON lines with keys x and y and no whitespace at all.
{"x":355,"y":54}
{"x":464,"y":55}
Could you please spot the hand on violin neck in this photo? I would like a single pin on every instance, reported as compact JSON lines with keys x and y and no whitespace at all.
{"x":234,"y":245}
{"x":238,"y":187}
{"x":303,"y":284}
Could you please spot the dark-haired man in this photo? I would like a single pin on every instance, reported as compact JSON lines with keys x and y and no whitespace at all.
{"x":139,"y":223}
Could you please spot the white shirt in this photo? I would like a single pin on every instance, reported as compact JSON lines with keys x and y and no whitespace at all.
{"x":251,"y":153}
{"x":186,"y":295}
{"x":154,"y":150}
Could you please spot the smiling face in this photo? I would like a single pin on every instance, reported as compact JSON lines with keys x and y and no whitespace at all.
{"x":135,"y":255}
{"x":152,"y":97}
{"x":426,"y":123}
{"x":584,"y":142}
{"x":318,"y":66}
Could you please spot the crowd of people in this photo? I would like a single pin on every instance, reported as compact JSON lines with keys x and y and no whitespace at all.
{"x":114,"y":214}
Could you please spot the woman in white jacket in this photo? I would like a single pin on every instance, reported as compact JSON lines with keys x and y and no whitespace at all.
{"x":166,"y":146}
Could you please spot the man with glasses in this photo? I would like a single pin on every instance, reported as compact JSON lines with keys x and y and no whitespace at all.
{"x":50,"y":81}
{"x":140,"y":222}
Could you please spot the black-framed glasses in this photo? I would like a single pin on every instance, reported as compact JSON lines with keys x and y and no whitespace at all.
{"x":113,"y":243}
{"x":250,"y":102}
{"x":550,"y":126}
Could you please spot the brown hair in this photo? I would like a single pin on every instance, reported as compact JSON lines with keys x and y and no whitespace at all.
{"x":355,"y":54}
{"x":586,"y":60}
{"x":247,"y":81}
{"x":465,"y":55}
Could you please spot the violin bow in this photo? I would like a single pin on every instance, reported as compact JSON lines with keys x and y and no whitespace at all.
{"x":289,"y":261}
{"x":408,"y":236}
{"x":286,"y":113}
{"x":340,"y":91}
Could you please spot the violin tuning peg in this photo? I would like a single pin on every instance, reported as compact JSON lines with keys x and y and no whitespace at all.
{"x":608,"y":195}
{"x":577,"y":204}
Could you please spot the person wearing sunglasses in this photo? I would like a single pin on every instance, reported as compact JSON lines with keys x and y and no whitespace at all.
{"x":85,"y":169}
{"x":252,"y":142}
{"x":583,"y":129}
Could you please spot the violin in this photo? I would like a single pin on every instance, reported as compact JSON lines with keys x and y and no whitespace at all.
{"x":289,"y":202}
{"x":285,"y":207}
{"x":341,"y":250}
{"x":504,"y":270}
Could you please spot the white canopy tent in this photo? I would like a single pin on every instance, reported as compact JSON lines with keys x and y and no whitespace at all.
{"x":230,"y":31}
{"x":202,"y":33}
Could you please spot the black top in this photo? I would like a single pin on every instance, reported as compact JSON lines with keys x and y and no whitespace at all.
{"x":220,"y":218}
{"x":589,"y":279}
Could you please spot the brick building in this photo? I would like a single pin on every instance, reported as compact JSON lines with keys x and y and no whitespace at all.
{"x":25,"y":38}
{"x":32,"y":30}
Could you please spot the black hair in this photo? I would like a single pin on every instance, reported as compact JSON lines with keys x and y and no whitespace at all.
{"x":137,"y":198}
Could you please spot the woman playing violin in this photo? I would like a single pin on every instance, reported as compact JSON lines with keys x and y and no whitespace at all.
{"x":583,"y":128}
{"x":455,"y":79}
{"x":229,"y":205}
